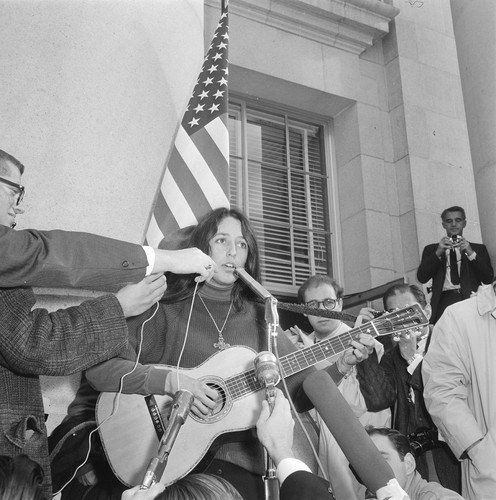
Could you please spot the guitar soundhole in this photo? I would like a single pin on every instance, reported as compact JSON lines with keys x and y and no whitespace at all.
{"x":224,"y":403}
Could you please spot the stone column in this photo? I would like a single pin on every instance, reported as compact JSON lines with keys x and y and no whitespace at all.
{"x":474,"y":25}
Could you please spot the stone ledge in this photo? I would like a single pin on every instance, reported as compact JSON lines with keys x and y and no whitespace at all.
{"x":351,"y":25}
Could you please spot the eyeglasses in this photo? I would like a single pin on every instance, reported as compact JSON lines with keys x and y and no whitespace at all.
{"x":18,"y":187}
{"x":328,"y":303}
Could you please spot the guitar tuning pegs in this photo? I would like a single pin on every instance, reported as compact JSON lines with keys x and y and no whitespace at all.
{"x":396,"y":338}
{"x":407,"y":335}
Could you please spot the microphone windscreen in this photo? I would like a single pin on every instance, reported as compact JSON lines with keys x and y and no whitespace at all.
{"x":349,"y":433}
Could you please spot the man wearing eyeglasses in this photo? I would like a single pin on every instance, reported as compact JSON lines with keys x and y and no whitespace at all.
{"x":34,"y":342}
{"x":322,"y":291}
{"x":74,"y":259}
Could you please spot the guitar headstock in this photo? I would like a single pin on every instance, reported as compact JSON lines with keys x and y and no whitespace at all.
{"x":409,"y":318}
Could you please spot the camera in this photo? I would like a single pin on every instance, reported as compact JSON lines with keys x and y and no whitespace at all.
{"x":423,"y":441}
{"x":456,"y":239}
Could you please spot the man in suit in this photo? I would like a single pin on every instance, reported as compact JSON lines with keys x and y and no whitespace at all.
{"x":34,"y":342}
{"x":456,"y":266}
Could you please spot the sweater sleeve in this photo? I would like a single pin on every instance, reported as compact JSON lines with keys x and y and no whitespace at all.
{"x":36,"y":342}
{"x":136,"y":378}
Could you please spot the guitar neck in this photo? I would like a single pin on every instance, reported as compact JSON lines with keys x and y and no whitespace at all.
{"x":309,"y":356}
{"x":410,"y":317}
{"x":246,"y":382}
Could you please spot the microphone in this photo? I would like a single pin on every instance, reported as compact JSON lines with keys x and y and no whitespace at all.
{"x":267,"y":373}
{"x":252,"y":283}
{"x":349,"y":433}
{"x":181,"y":406}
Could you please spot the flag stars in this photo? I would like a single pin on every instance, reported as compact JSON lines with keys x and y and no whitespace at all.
{"x":204,"y":94}
{"x":212,"y":68}
{"x":193,"y":122}
{"x":222,"y":45}
{"x":219,"y":93}
{"x":222,"y":81}
{"x":214,"y":107}
{"x":199,"y":108}
{"x":217,"y":56}
{"x":225,"y":36}
{"x":208,"y":81}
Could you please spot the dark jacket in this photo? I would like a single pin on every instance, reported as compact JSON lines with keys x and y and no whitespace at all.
{"x":472,"y":273}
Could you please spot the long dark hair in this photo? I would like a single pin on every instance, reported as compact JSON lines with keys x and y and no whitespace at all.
{"x":180,"y":286}
{"x":20,"y":478}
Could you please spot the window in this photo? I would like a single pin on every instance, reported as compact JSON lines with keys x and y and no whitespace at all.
{"x":278,"y":177}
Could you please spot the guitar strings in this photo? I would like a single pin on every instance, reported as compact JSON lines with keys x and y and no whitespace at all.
{"x":117,"y":398}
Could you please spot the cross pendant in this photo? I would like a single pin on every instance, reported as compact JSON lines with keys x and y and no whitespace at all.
{"x":221,"y":345}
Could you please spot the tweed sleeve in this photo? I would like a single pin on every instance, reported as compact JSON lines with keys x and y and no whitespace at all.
{"x":36,"y":342}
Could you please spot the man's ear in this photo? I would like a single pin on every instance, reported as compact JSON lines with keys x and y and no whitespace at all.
{"x":410,"y":463}
{"x":428,"y":311}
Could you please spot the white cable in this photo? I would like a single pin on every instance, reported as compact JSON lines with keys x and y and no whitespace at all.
{"x":116,"y":400}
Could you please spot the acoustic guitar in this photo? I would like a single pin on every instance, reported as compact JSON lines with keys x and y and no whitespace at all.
{"x":131,"y":436}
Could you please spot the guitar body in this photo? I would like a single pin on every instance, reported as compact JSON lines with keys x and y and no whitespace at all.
{"x":129,"y":437}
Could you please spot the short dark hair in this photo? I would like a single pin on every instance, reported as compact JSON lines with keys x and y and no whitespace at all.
{"x":398,"y":440}
{"x":20,"y":477}
{"x":316,"y":281}
{"x":404,"y":288}
{"x":5,"y":158}
{"x":453,"y":209}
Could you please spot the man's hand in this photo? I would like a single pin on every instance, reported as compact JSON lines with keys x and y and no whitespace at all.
{"x":408,"y":345}
{"x":445,"y":244}
{"x":187,"y":261}
{"x":360,"y":350}
{"x":205,"y":397}
{"x":365,"y":314}
{"x":298,"y":337}
{"x":148,"y":494}
{"x":136,"y":299}
{"x":275,"y":431}
{"x":464,"y":246}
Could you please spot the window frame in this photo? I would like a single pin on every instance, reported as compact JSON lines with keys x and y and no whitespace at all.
{"x":331,"y":216}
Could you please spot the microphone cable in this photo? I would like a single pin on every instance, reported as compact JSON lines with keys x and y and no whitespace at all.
{"x":114,"y":409}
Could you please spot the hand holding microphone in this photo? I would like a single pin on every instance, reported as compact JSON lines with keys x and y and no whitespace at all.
{"x":267,"y":373}
{"x":181,"y":406}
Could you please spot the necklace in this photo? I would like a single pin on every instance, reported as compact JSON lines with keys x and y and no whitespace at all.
{"x":220,"y":344}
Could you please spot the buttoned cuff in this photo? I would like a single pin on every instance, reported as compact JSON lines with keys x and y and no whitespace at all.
{"x":472,"y":256}
{"x":150,"y":257}
{"x":417,"y":359}
{"x":289,"y":465}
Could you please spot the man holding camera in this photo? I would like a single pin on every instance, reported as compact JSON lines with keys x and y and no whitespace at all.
{"x":456,"y":267}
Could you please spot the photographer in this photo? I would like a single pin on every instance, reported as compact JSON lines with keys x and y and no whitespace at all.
{"x":456,"y":267}
{"x":401,"y":366}
{"x":395,"y":448}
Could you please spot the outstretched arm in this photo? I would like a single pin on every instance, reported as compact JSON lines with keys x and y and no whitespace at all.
{"x":84,"y":260}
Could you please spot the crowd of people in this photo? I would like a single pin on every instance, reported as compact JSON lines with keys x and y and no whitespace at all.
{"x":380,"y":431}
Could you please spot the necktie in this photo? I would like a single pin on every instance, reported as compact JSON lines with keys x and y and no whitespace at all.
{"x":455,"y":277}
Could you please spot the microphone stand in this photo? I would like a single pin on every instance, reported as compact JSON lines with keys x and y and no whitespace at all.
{"x":271,"y":482}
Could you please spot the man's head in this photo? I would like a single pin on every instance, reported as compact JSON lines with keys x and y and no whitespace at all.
{"x":324,"y":292}
{"x":454,"y":221}
{"x":395,"y":449}
{"x":11,"y":190}
{"x":403,"y":295}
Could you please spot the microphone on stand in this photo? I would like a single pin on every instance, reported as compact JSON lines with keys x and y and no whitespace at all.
{"x":267,"y":373}
{"x":252,"y":283}
{"x":181,"y":406}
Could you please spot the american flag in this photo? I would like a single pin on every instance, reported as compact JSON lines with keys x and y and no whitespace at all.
{"x":196,"y":179}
